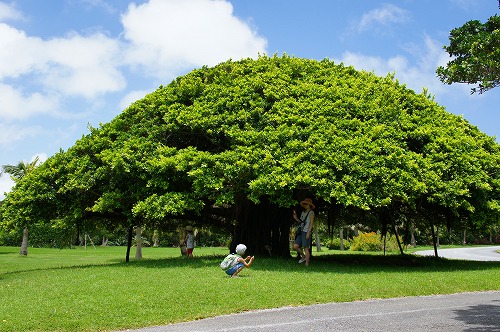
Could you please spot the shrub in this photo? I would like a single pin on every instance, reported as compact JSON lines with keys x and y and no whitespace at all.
{"x":391,"y":243}
{"x":212,"y":238}
{"x":373,"y":242}
{"x":367,"y":242}
{"x":11,"y":237}
{"x":334,"y":244}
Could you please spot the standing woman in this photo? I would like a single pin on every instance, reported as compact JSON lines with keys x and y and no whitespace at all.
{"x":307,"y":222}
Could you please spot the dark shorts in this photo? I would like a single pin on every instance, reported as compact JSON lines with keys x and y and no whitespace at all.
{"x":301,"y":240}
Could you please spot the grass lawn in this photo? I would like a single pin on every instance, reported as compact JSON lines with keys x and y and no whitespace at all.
{"x":94,"y":289}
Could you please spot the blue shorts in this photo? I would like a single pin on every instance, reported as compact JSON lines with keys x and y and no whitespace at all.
{"x":302,"y":241}
{"x":235,"y":268}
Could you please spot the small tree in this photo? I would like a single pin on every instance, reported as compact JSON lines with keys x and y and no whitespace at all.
{"x":17,"y":172}
{"x":476,"y":51}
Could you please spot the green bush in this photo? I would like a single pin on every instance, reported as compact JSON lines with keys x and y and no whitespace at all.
{"x":367,"y":242}
{"x":47,"y":236}
{"x":392,"y":244}
{"x":334,"y":244}
{"x":11,"y":237}
{"x":373,"y":242}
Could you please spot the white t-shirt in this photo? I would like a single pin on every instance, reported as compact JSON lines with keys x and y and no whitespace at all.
{"x":190,"y":241}
{"x":306,"y":220}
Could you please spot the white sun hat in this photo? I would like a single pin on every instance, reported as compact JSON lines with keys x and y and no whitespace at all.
{"x":240,"y":249}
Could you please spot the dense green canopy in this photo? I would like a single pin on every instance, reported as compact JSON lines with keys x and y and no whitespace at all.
{"x":268,"y":130}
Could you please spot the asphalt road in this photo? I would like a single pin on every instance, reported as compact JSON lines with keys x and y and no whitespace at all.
{"x":473,"y":254}
{"x":478,"y":312}
{"x":457,"y":312}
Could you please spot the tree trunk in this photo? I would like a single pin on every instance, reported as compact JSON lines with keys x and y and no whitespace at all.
{"x":78,"y":240}
{"x":395,"y":231}
{"x":182,"y":243}
{"x":138,"y":242}
{"x":434,"y":242}
{"x":342,"y":238}
{"x":465,"y":238}
{"x":263,"y":228}
{"x":156,"y":239}
{"x":318,"y":243}
{"x":356,"y":230}
{"x":412,"y":241}
{"x":129,"y":243}
{"x":24,"y":245}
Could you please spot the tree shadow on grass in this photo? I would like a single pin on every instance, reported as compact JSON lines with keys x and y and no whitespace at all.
{"x":351,"y":263}
{"x":344,"y":263}
{"x":172,"y":262}
{"x":111,"y":262}
{"x":356,"y":263}
{"x":405,"y":261}
{"x":480,"y":318}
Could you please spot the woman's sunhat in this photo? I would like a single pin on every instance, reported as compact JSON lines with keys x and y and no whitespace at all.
{"x":306,"y":202}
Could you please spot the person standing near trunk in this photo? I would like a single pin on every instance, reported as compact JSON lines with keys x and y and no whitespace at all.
{"x":306,"y":222}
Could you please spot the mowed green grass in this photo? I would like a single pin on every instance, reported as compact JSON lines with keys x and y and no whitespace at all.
{"x":94,"y":289}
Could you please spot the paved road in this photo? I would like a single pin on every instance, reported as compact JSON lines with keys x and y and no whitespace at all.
{"x":473,"y":254}
{"x":444,"y":313}
{"x":478,"y":312}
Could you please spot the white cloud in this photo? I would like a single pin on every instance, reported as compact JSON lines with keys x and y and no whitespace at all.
{"x":162,"y":38}
{"x":168,"y":36}
{"x":73,"y":66}
{"x":385,"y":15}
{"x":10,"y":134}
{"x":83,"y":65}
{"x":9,"y":12}
{"x":6,"y":185}
{"x":19,"y":54}
{"x":18,"y":105}
{"x":42,"y":156}
{"x":428,"y":57}
{"x":126,"y":101}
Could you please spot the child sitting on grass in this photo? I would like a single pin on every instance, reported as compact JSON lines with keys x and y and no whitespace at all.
{"x":239,"y":263}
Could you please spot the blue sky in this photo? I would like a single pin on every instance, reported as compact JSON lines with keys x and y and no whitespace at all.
{"x":65,"y":64}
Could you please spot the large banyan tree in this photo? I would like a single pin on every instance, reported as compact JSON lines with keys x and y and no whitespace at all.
{"x":239,"y":144}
